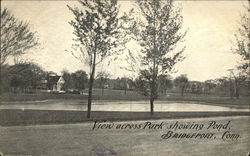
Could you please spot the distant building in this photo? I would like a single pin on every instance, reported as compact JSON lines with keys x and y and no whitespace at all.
{"x":55,"y":82}
{"x":195,"y":87}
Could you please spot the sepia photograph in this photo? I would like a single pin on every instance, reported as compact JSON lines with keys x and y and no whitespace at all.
{"x":125,"y":78}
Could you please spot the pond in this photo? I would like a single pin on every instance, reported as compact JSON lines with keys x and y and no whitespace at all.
{"x":128,"y":106}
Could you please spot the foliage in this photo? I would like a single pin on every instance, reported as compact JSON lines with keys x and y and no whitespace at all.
{"x":76,"y":80}
{"x":68,"y":82}
{"x":142,"y":85}
{"x":102,"y":79}
{"x":157,"y":33}
{"x":242,"y":43}
{"x":164,"y":83}
{"x":209,"y":86}
{"x":22,"y":76}
{"x":97,"y":32}
{"x":80,"y":78}
{"x":16,"y":36}
{"x":181,"y":81}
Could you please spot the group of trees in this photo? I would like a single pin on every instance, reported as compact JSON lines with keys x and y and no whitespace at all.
{"x":101,"y":33}
{"x":224,"y":86}
{"x":232,"y":86}
{"x":16,"y":39}
{"x":22,"y":77}
{"x":123,"y":83}
{"x":29,"y":77}
{"x":77,"y":80}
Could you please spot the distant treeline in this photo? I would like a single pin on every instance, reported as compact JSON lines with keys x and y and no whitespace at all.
{"x":30,"y":78}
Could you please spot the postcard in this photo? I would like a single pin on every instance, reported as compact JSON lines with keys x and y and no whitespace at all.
{"x":125,"y":78}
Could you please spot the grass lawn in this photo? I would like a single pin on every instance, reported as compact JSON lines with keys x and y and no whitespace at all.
{"x":80,"y":140}
{"x":209,"y":99}
{"x":38,"y":117}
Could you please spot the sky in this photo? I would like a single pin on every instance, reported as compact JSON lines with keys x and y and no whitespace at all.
{"x":211,"y":27}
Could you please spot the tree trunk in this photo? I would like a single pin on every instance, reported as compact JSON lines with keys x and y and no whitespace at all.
{"x":231,"y":90}
{"x":91,"y":82}
{"x":237,"y":94}
{"x":152,"y":95}
{"x":1,"y":86}
{"x":153,"y":87}
{"x":102,"y":90}
{"x":182,"y":91}
{"x":152,"y":105}
{"x":248,"y":87}
{"x":125,"y":90}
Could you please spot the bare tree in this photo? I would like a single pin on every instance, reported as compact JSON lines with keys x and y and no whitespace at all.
{"x":16,"y":36}
{"x":242,"y":45}
{"x":238,"y":80}
{"x":96,"y":27}
{"x":158,"y":32}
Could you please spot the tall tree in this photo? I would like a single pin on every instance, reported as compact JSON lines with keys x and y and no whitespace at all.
{"x":16,"y":36}
{"x":96,"y":27}
{"x":242,"y":45}
{"x":158,"y":32}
